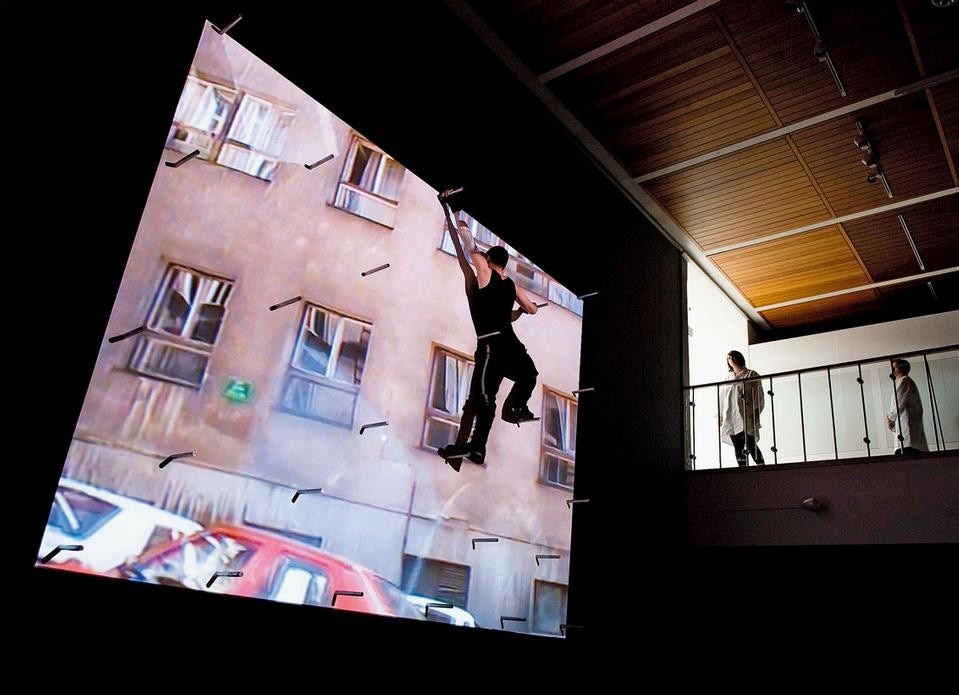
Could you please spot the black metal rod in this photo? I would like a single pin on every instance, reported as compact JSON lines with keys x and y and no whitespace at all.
{"x":826,"y":57}
{"x":935,"y":405}
{"x":692,"y":419}
{"x":832,"y":414}
{"x":772,"y":409}
{"x":865,"y":421}
{"x":802,"y":420}
{"x":719,"y":428}
{"x":747,"y":419}
{"x":932,"y":407}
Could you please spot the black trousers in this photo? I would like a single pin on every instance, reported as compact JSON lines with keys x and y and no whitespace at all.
{"x":494,"y":361}
{"x":743,"y":442}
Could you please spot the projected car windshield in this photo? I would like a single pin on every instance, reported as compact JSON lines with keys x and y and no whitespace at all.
{"x":295,"y":399}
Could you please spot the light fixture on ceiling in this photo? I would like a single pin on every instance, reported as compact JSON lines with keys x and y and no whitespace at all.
{"x":943,"y":3}
{"x":885,"y":183}
{"x":819,"y":48}
{"x":912,"y":242}
{"x":880,"y":175}
{"x":871,"y":159}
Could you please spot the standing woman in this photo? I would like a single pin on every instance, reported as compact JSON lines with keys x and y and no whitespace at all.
{"x":905,"y":410}
{"x":743,"y":403}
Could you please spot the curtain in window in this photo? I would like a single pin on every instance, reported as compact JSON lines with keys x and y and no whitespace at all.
{"x":452,"y":386}
{"x":194,"y":305}
{"x":560,"y":419}
{"x":316,"y":346}
{"x":563,"y":416}
{"x":212,"y":295}
{"x":333,"y":346}
{"x":390,"y":179}
{"x":202,"y":106}
{"x":177,"y":302}
{"x":260,"y":126}
{"x":364,"y":167}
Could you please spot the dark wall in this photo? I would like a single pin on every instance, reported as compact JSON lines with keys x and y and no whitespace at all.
{"x":426,"y":90}
{"x":97,"y":89}
{"x":892,"y":501}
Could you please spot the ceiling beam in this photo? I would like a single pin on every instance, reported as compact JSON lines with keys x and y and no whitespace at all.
{"x":914,"y":45}
{"x":626,"y":39}
{"x":788,"y":138}
{"x":835,"y":220}
{"x":860,"y":288}
{"x":801,"y":125}
{"x":602,"y":159}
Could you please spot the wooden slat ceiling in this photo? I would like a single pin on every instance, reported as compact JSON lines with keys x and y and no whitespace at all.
{"x":728,"y":71}
{"x":906,"y":142}
{"x":823,"y":311}
{"x":884,"y":247}
{"x":946,"y":98}
{"x":768,"y":273}
{"x":727,"y":199}
{"x":677,"y":94}
{"x":903,"y":296}
{"x":778,"y":47}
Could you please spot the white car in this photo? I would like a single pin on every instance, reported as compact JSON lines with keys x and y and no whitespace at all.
{"x":453,"y":616}
{"x":110,"y":527}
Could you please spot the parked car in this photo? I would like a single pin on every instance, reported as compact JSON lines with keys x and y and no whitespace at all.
{"x":110,"y":527}
{"x":452,"y":616}
{"x":272,"y":566}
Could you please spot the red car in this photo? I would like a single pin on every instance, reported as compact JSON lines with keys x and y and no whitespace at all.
{"x":273,"y":567}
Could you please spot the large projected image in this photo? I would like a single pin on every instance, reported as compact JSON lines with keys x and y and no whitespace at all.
{"x":310,"y":391}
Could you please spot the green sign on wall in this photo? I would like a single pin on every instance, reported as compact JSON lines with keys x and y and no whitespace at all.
{"x":238,"y":391}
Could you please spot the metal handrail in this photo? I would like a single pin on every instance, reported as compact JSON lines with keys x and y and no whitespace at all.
{"x":828,"y":369}
{"x":806,"y":370}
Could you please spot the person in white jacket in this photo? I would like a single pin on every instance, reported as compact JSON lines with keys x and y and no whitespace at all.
{"x":905,"y":411}
{"x":743,"y":402}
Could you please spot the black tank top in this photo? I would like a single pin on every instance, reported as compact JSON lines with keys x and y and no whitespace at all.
{"x":494,"y":307}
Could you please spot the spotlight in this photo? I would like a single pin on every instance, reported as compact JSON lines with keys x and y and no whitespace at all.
{"x":873,"y":177}
{"x":940,"y":3}
{"x":795,"y":4}
{"x":862,"y":143}
{"x":870,"y":159}
{"x":819,"y":50}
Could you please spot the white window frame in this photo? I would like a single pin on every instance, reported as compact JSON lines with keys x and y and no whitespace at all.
{"x":327,"y":380}
{"x":532,"y":607}
{"x":386,"y":208}
{"x":566,"y":456}
{"x":434,"y":414}
{"x":205,"y":141}
{"x":155,"y":336}
{"x":257,"y":156}
{"x":220,"y":146}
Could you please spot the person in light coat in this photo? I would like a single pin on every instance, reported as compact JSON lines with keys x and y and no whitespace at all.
{"x":905,"y":411}
{"x":742,"y":404}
